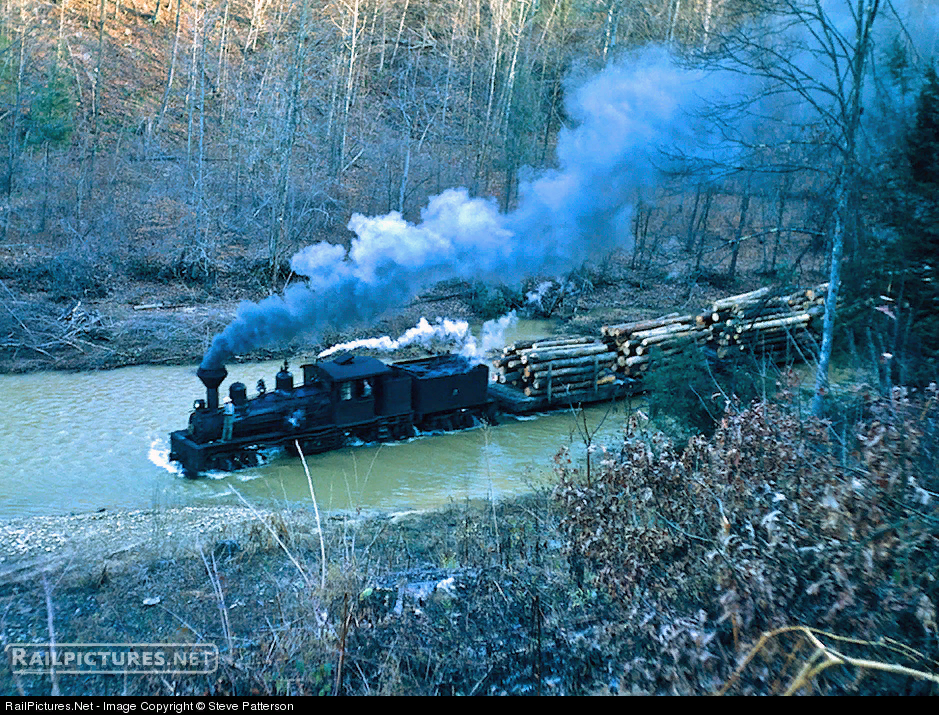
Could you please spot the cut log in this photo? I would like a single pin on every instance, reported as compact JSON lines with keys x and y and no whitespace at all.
{"x":687,"y":322}
{"x":627,"y":328}
{"x":801,"y":319}
{"x":507,"y":363}
{"x":733,"y":300}
{"x":510,"y":377}
{"x":517,"y":346}
{"x":638,"y":360}
{"x":601,"y":361}
{"x":561,"y":342}
{"x":562,"y":353}
{"x":675,"y":337}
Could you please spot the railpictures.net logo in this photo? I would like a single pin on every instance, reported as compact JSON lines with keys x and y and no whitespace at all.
{"x":113,"y":658}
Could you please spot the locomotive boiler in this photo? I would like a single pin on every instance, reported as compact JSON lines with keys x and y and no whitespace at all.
{"x":348,"y":397}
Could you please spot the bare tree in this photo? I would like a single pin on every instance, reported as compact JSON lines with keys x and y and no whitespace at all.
{"x":279,"y":227}
{"x":13,"y":147}
{"x":816,"y":54}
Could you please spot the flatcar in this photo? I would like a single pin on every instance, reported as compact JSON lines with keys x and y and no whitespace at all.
{"x":350,"y":396}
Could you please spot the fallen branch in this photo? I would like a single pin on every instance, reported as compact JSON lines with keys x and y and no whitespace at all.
{"x":824,"y":657}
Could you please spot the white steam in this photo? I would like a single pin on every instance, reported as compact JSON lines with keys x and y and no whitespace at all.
{"x":492,"y":337}
{"x":443,"y":335}
{"x":537,"y":296}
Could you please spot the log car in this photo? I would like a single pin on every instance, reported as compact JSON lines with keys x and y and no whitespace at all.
{"x":348,"y":397}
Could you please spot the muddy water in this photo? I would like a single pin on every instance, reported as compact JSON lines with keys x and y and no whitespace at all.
{"x":81,"y":442}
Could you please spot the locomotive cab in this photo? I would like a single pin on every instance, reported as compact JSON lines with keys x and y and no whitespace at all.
{"x":360,"y":388}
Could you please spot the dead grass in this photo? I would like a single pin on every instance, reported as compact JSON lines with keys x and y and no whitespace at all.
{"x":776,"y":519}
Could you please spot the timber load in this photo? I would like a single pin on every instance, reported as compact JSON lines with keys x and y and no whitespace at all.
{"x":558,"y":369}
{"x":770,"y":325}
{"x":538,"y":374}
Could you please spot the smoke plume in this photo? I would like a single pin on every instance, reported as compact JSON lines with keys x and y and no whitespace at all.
{"x":626,"y":121}
{"x":565,"y":216}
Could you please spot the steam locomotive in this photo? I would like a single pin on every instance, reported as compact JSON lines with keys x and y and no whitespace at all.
{"x":350,"y":396}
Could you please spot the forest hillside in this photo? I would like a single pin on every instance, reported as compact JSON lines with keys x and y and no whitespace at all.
{"x":187,"y":150}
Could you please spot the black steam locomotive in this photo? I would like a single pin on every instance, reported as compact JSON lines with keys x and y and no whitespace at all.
{"x":348,"y":397}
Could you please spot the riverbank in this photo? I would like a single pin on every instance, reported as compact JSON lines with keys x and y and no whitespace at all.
{"x":253,"y":583}
{"x":32,"y":546}
{"x":140,"y":323}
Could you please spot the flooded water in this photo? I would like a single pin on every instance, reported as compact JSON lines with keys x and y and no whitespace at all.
{"x":77,"y":442}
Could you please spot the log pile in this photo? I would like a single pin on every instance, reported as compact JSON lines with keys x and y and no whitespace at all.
{"x":556,"y":367}
{"x":769,"y":325}
{"x":760,"y":323}
{"x":636,"y":343}
{"x":773,"y":326}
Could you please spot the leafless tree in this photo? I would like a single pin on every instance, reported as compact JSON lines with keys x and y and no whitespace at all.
{"x":815,"y":54}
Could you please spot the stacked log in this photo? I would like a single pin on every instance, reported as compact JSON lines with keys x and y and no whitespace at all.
{"x":777,"y":327}
{"x":760,"y":322}
{"x":636,"y":342}
{"x":556,"y":366}
{"x":763,"y":323}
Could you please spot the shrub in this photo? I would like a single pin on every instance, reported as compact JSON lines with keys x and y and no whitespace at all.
{"x":771,"y":522}
{"x":490,"y":302}
{"x":66,"y":276}
{"x":692,"y":392}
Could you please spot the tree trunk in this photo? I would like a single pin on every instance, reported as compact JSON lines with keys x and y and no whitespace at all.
{"x":831,"y":302}
{"x":14,"y":131}
{"x":171,"y":71}
{"x":222,"y":63}
{"x":702,"y":229}
{"x":279,"y":229}
{"x":193,"y":71}
{"x":744,"y":207}
{"x":44,"y":210}
{"x":689,"y":238}
{"x":96,"y":101}
{"x":780,"y":215}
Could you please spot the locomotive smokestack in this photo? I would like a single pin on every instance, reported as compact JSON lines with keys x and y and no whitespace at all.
{"x":212,"y":377}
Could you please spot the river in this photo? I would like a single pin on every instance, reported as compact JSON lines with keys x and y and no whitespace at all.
{"x":79,"y":442}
